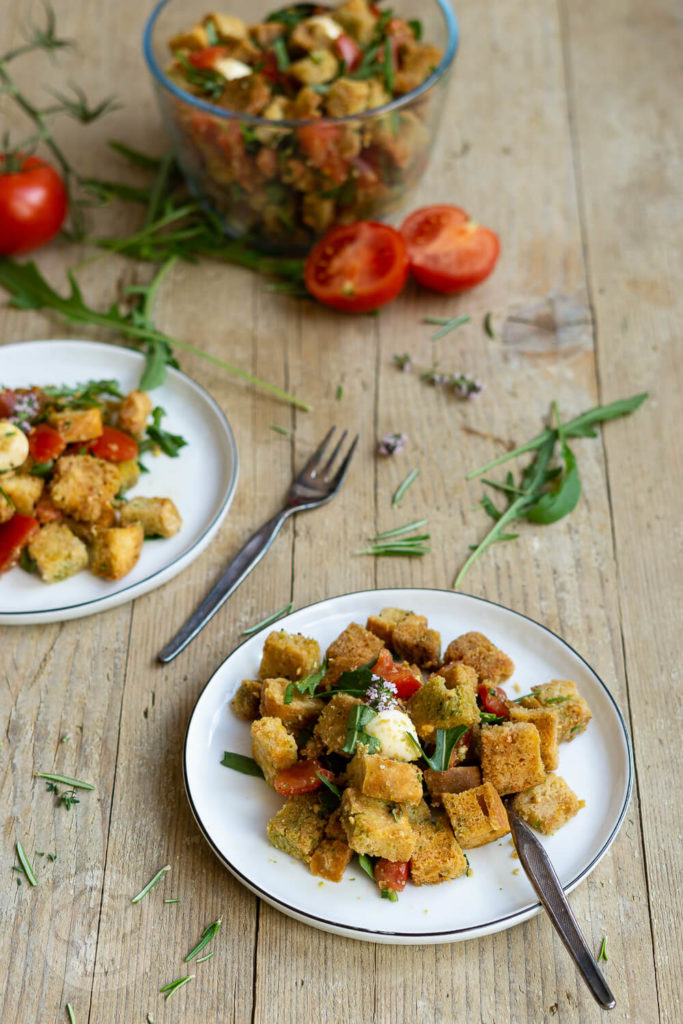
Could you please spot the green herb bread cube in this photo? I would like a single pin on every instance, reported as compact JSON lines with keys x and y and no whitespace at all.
{"x":477,"y":816}
{"x":353,"y":648}
{"x":383,"y":625}
{"x":546,"y":721}
{"x":477,"y":651}
{"x":511,"y":756}
{"x":57,"y":552}
{"x":83,"y":487}
{"x":330,"y":728}
{"x":331,"y":859}
{"x":23,"y":491}
{"x":245,"y":703}
{"x":434,"y":707}
{"x":115,"y":550}
{"x":374,"y":775}
{"x":549,"y":805}
{"x":298,"y":826}
{"x":158,"y":516}
{"x":562,"y":696}
{"x":272,"y":747}
{"x":437,"y":856}
{"x":372,"y":828}
{"x":414,"y":641}
{"x":300,"y":713}
{"x":289,"y":656}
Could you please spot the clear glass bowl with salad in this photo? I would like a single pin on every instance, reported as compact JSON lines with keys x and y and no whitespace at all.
{"x":288,"y":121}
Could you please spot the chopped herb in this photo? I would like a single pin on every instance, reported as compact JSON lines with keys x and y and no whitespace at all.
{"x":557,"y":700}
{"x":5,"y":495}
{"x":366,"y":865}
{"x":211,"y":34}
{"x":150,"y":885}
{"x":84,"y":396}
{"x":173,"y":986}
{"x":52,"y":856}
{"x":280,"y":430}
{"x":398,"y":530}
{"x":360,"y":716}
{"x":488,"y":326}
{"x":448,"y":324}
{"x":281,"y":54}
{"x":207,"y":935}
{"x":603,"y":950}
{"x":403,"y":362}
{"x":27,"y":563}
{"x":416,"y":26}
{"x":170,"y":444}
{"x":359,"y":678}
{"x":392,"y":444}
{"x":25,"y":864}
{"x":267,"y":621}
{"x":175,"y":900}
{"x":403,"y":487}
{"x":390,"y":894}
{"x":340,"y":392}
{"x":207,"y":957}
{"x":72,"y":1015}
{"x":488,"y":718}
{"x":467,"y":861}
{"x":211,"y":82}
{"x":306,"y":685}
{"x":241,"y":763}
{"x":395,"y":813}
{"x":388,"y":68}
{"x":42,"y":469}
{"x":66,"y":780}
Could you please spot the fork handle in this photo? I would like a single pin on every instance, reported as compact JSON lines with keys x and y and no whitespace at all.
{"x":240,"y":567}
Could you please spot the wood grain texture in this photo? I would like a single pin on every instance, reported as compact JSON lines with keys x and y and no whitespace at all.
{"x":560,"y":132}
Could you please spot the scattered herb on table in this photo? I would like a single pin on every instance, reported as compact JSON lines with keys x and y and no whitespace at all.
{"x":448,"y":324}
{"x":340,"y":393}
{"x":72,"y":1015}
{"x":404,"y":362}
{"x":392,"y":443}
{"x":404,"y":485}
{"x":462,"y":386}
{"x":65,"y":780}
{"x":281,"y":430}
{"x":488,"y":325}
{"x":203,"y":958}
{"x":26,"y":865}
{"x":268,"y":620}
{"x":173,"y":986}
{"x":603,"y":950}
{"x":395,"y":542}
{"x":207,"y":935}
{"x":176,"y":899}
{"x":241,"y":763}
{"x":65,"y":798}
{"x":544,"y":493}
{"x":150,"y":885}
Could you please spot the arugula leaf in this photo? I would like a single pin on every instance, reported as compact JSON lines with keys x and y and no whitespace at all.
{"x":42,"y":469}
{"x":553,"y":505}
{"x":307,"y":685}
{"x":360,"y":716}
{"x":241,"y":763}
{"x":170,"y":444}
{"x":356,"y":677}
{"x":366,"y":865}
{"x":335,"y":790}
{"x":446,"y":742}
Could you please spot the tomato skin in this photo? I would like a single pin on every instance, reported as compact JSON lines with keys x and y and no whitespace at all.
{"x":114,"y":445}
{"x":403,"y":679}
{"x":357,"y":267}
{"x":301,"y":778}
{"x":320,"y":143}
{"x":348,"y":50}
{"x":494,"y":700}
{"x":206,"y":59}
{"x":45,"y":443}
{"x":449,"y":253}
{"x":14,"y":536}
{"x":33,"y":205}
{"x":391,"y":874}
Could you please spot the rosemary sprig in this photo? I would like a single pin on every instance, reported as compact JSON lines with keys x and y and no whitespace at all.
{"x":65,"y":780}
{"x":488,"y":325}
{"x":397,"y":530}
{"x":150,"y":885}
{"x":404,"y":485}
{"x":72,"y":1015}
{"x":448,"y":324}
{"x":203,"y":958}
{"x":25,"y":864}
{"x":268,"y":619}
{"x":173,"y":986}
{"x":207,"y":935}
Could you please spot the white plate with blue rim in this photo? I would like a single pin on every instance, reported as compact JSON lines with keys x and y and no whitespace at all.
{"x":232,"y":809}
{"x":201,"y":481}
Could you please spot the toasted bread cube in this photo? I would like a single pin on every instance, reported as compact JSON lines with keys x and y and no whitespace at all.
{"x":452,"y":780}
{"x":310,"y":746}
{"x":57,"y":552}
{"x":289,"y":656}
{"x":457,"y":673}
{"x":300,"y":713}
{"x":331,"y":858}
{"x":84,"y":486}
{"x":334,"y":828}
{"x":352,"y":649}
{"x":435,"y":707}
{"x":437,"y":856}
{"x":511,"y":756}
{"x":22,"y":490}
{"x":477,"y":816}
{"x":414,"y":641}
{"x":135,"y":408}
{"x":116,"y":550}
{"x":374,"y":775}
{"x":6,"y":506}
{"x":549,"y":805}
{"x":158,"y":516}
{"x":245,"y":703}
{"x":331,"y":725}
{"x":546,"y":721}
{"x":371,"y":827}
{"x":88,"y":531}
{"x":272,"y":747}
{"x":129,"y":472}
{"x":194,"y":38}
{"x":573,"y":714}
{"x":228,"y":28}
{"x":77,"y":424}
{"x":299,"y":825}
{"x":476,"y":650}
{"x":417,"y":812}
{"x":321,"y":66}
{"x":357,"y":19}
{"x":383,"y":625}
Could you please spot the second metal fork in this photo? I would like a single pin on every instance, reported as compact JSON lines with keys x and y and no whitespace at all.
{"x":315,"y":485}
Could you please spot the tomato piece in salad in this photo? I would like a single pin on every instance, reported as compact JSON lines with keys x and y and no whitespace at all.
{"x":448,"y":252}
{"x":302,"y":777}
{"x":348,"y":50}
{"x":15,"y":534}
{"x":207,"y":58}
{"x":114,"y":445}
{"x":494,"y":700}
{"x":402,"y":677}
{"x":45,"y":443}
{"x":357,"y":267}
{"x":391,"y":874}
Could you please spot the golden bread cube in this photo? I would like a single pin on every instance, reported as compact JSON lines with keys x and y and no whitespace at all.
{"x":194,"y":38}
{"x":301,"y":712}
{"x":22,"y":490}
{"x":573,"y":714}
{"x":457,"y":673}
{"x":452,"y":780}
{"x":84,"y":486}
{"x":477,"y":816}
{"x":331,"y":859}
{"x":132,"y":418}
{"x":289,"y":656}
{"x":158,"y":516}
{"x":546,"y":721}
{"x":57,"y":552}
{"x":549,"y":805}
{"x":245,"y":703}
{"x":77,"y":424}
{"x":272,"y":747}
{"x":490,"y":663}
{"x":374,"y":775}
{"x":437,"y":856}
{"x":331,"y":725}
{"x":353,"y":648}
{"x":511,"y":756}
{"x":372,"y":828}
{"x":228,"y":27}
{"x":414,"y":641}
{"x":116,"y":550}
{"x":436,"y":707}
{"x":298,"y":826}
{"x":383,"y":625}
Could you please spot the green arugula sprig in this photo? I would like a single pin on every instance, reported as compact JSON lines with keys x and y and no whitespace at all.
{"x":308,"y":685}
{"x":83,"y":396}
{"x":446,"y":742}
{"x":544,"y":493}
{"x":241,"y":763}
{"x":157,"y":437}
{"x":360,"y":716}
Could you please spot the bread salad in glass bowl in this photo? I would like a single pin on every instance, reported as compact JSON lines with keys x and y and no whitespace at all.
{"x":290,"y":121}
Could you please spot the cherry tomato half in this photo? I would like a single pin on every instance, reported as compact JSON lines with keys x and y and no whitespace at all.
{"x":45,"y":443}
{"x":403,"y":679}
{"x":33,"y":204}
{"x":348,"y":50}
{"x":494,"y":700}
{"x":114,"y":445}
{"x":206,"y":59}
{"x":448,"y":251}
{"x":357,"y":267}
{"x":301,"y":778}
{"x":14,"y":536}
{"x":391,"y":874}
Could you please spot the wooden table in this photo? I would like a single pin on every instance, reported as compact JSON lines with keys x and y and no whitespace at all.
{"x":560,"y":133}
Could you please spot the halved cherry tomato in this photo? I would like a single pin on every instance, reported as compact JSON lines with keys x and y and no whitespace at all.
{"x":357,"y":267}
{"x":403,"y":679}
{"x":14,"y":536}
{"x":494,"y":700}
{"x":114,"y":445}
{"x":391,"y":874}
{"x":348,"y":50}
{"x":8,"y":400}
{"x":448,"y":251}
{"x":206,"y":59}
{"x":45,"y":443}
{"x":301,"y":778}
{"x":33,"y":203}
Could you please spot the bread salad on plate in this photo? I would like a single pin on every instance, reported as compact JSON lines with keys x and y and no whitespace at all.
{"x":315,"y":72}
{"x":388,"y":749}
{"x":68,"y":457}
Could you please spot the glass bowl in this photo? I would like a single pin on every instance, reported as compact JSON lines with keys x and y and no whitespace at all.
{"x":281,"y":184}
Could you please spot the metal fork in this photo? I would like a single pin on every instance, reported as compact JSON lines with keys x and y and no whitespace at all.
{"x":314,"y":486}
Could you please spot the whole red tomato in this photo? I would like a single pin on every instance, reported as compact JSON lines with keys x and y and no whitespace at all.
{"x":33,"y":203}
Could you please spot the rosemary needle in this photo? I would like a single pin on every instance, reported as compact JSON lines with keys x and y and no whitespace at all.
{"x":415,"y":525}
{"x":203,"y":958}
{"x":173,"y":986}
{"x":64,"y":779}
{"x":603,"y":950}
{"x":176,"y":900}
{"x":267,"y":621}
{"x":24,"y":861}
{"x":151,"y":884}
{"x":207,"y":935}
{"x":403,"y":487}
{"x":448,"y":324}
{"x":72,"y":1015}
